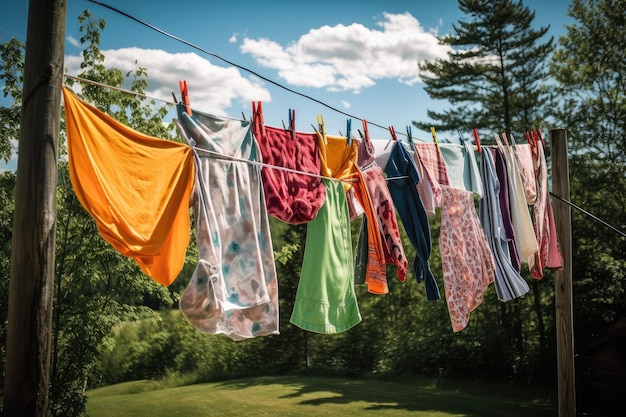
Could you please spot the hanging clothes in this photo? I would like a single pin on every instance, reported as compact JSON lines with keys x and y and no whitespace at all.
{"x":508,"y":282}
{"x":291,"y":197}
{"x":412,"y":213}
{"x":136,"y":187}
{"x":525,"y":239}
{"x":503,"y":180}
{"x":386,"y":215}
{"x":424,"y":187}
{"x":524,"y":155}
{"x":468,"y":265}
{"x":435,"y":166}
{"x":548,"y":254}
{"x":234,"y":288}
{"x":461,"y":166}
{"x":325,"y":300}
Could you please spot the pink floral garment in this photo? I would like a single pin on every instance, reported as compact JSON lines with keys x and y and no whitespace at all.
{"x":468,"y":264}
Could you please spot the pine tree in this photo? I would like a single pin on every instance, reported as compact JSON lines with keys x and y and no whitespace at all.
{"x":493,"y":75}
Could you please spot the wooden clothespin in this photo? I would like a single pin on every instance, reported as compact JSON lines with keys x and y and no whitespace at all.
{"x":184,"y":93}
{"x":476,"y":139}
{"x":434,"y":134}
{"x":506,"y":141}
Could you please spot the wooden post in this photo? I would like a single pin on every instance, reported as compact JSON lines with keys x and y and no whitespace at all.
{"x":563,"y":279}
{"x":32,"y":257}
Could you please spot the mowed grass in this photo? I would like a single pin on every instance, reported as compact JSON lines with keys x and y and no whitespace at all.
{"x":311,"y":396}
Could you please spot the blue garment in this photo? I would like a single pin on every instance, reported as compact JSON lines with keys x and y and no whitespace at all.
{"x":411,"y":210}
{"x":509,"y":283}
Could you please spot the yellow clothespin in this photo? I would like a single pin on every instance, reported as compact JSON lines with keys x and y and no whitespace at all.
{"x":434,"y":133}
{"x":320,"y":124}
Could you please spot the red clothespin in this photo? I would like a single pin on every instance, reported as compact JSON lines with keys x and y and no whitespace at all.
{"x":475,"y":132}
{"x":184,"y":93}
{"x":257,"y":118}
{"x":394,"y":138}
{"x":393,"y":133}
{"x":529,"y":139}
{"x":535,"y":139}
{"x":366,"y":133}
{"x":543,"y":142}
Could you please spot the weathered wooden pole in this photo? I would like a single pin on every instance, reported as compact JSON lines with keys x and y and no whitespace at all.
{"x":32,"y":257}
{"x":563,"y":279}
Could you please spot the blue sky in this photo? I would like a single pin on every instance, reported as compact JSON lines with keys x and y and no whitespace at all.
{"x":357,"y":56}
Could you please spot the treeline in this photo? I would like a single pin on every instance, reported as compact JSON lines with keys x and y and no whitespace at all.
{"x":402,"y":333}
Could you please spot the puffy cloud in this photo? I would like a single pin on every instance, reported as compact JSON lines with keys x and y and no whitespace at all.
{"x":212,"y":88}
{"x":351,"y":57}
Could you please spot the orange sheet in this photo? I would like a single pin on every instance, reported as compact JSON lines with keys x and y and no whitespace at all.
{"x":135,"y":186}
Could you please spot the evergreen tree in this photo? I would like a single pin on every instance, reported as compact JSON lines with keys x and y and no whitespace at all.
{"x":590,"y":66}
{"x":492,"y":76}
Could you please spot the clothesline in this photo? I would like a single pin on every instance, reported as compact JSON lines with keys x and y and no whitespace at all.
{"x":282,"y":87}
{"x":224,"y":157}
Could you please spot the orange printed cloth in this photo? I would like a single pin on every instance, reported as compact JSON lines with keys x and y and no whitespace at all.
{"x":135,"y":186}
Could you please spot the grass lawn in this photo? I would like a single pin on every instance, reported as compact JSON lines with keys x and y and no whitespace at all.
{"x":311,"y":396}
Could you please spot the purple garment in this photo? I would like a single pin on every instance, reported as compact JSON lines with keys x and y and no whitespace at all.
{"x":502,"y":173}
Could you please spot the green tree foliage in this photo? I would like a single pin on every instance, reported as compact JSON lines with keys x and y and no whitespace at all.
{"x":493,"y":75}
{"x":95,"y":287}
{"x":11,"y":72}
{"x":590,"y":66}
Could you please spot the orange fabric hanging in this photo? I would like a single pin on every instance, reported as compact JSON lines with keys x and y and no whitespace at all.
{"x":339,"y":160}
{"x":135,"y":186}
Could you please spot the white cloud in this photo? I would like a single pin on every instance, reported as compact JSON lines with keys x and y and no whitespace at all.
{"x":73,"y":41}
{"x":352,"y":57}
{"x":346,"y":104}
{"x":233,"y":38}
{"x":212,"y":89}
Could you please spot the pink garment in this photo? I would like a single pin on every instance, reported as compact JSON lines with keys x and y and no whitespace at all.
{"x":291,"y":197}
{"x":524,"y":155}
{"x":383,"y":204}
{"x":435,"y":166}
{"x":545,"y":229}
{"x":468,"y":264}
{"x":424,"y":187}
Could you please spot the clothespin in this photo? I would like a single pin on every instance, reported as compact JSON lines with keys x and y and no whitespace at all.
{"x":393,"y":138}
{"x":434,"y":133}
{"x":529,"y":139}
{"x":475,"y":132}
{"x":257,"y":117}
{"x":320,"y":124}
{"x":543,"y":142}
{"x":506,"y":141}
{"x":366,"y":133}
{"x":292,"y":123}
{"x":409,"y":134}
{"x":184,"y":93}
{"x":349,"y":131}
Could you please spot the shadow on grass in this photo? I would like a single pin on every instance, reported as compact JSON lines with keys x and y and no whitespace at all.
{"x":389,"y":396}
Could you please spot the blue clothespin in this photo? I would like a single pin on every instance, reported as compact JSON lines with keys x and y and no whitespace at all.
{"x":409,"y":134}
{"x":349,"y":131}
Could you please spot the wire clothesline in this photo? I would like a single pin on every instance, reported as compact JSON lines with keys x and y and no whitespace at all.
{"x":296,"y":93}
